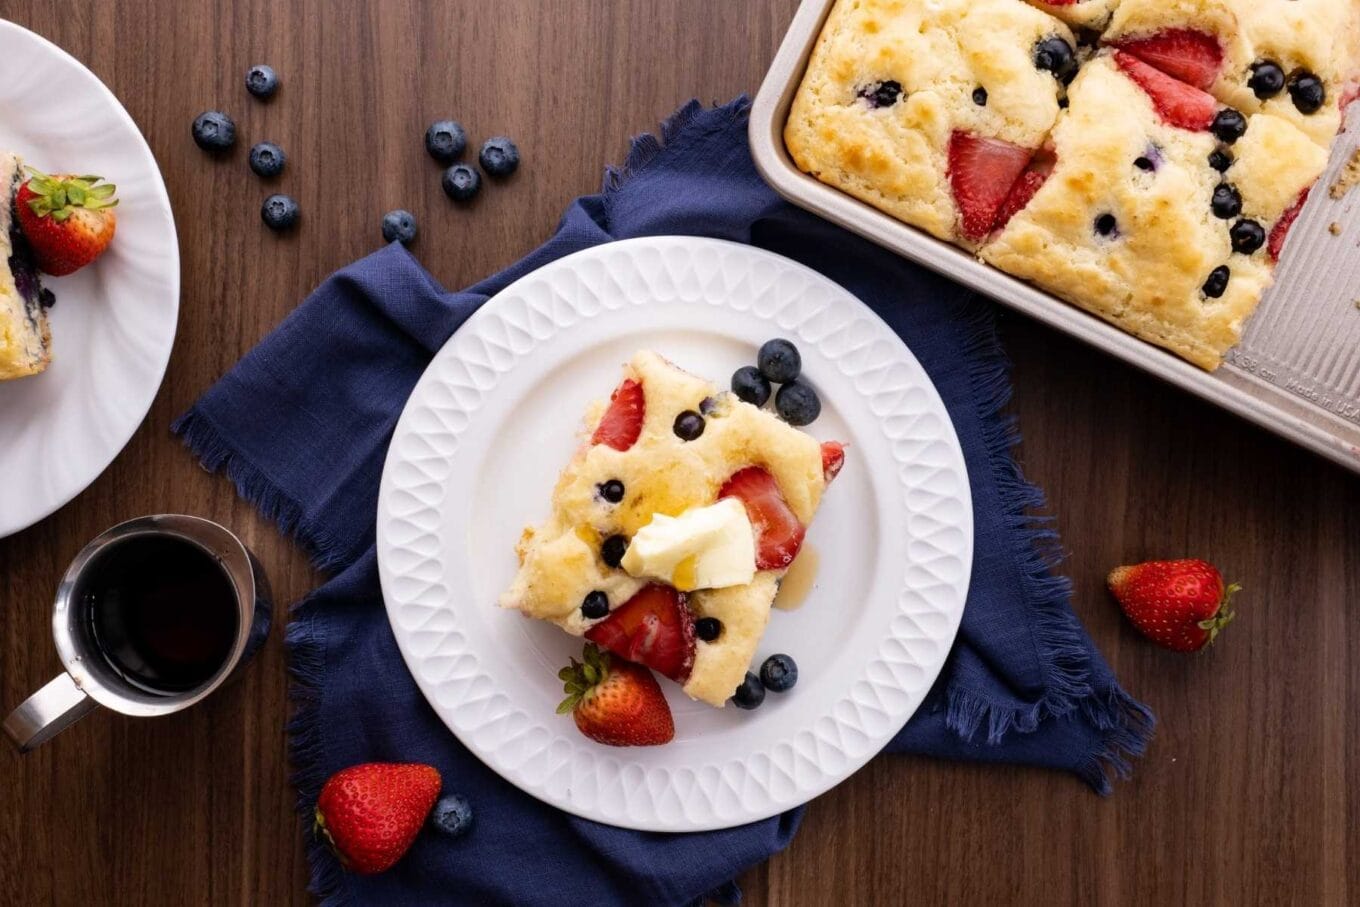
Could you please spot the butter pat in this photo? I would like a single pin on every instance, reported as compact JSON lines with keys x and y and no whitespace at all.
{"x":703,"y":548}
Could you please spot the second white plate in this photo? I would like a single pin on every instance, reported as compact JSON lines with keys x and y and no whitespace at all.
{"x":496,"y":416}
{"x":114,"y":321}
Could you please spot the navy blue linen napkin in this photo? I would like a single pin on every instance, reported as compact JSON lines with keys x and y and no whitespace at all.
{"x":302,"y":424}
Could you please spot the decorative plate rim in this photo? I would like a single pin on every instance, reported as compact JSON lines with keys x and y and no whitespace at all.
{"x":607,"y":785}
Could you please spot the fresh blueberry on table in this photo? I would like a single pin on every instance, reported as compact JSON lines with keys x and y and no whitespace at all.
{"x":750,"y":385}
{"x":461,"y":182}
{"x":452,"y":814}
{"x":214,"y":131}
{"x":779,"y":361}
{"x":750,"y":694}
{"x":280,"y":212}
{"x":399,"y":226}
{"x":262,"y":81}
{"x":499,"y":156}
{"x":446,"y":141}
{"x":797,"y":404}
{"x":779,"y":673}
{"x":267,"y":159}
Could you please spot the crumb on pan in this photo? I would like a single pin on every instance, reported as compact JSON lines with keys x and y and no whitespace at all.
{"x":1334,"y":228}
{"x":1348,"y":177}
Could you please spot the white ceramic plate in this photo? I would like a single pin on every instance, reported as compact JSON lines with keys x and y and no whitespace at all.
{"x":496,"y":416}
{"x":114,"y":321}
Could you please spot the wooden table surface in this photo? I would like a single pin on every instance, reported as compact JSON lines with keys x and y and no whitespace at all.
{"x":1248,"y":793}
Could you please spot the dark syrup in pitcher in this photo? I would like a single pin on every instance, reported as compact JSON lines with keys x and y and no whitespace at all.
{"x":161,"y":611}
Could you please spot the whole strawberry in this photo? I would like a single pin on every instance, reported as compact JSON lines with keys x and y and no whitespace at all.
{"x":615,"y":702}
{"x":67,"y":220}
{"x":1180,"y":605}
{"x":370,"y":813}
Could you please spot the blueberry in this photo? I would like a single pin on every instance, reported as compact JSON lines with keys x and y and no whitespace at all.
{"x":452,"y":815}
{"x":797,"y":404}
{"x":262,"y":81}
{"x":980,"y":96}
{"x":280,"y":212}
{"x":461,"y":182}
{"x":750,"y":385}
{"x":214,"y":131}
{"x":1216,"y":282}
{"x":688,"y":425}
{"x":1220,"y":160}
{"x":446,"y":141}
{"x":1144,"y":163}
{"x":750,"y":694}
{"x":779,"y":673}
{"x":1247,"y":236}
{"x":46,"y":298}
{"x":399,"y":226}
{"x":1106,"y":225}
{"x":1227,"y":201}
{"x":595,"y":605}
{"x":1306,"y":91}
{"x":881,"y":94}
{"x":611,"y":491}
{"x":613,"y":549}
{"x":1266,"y":80}
{"x":267,"y":159}
{"x":499,"y":156}
{"x":708,"y":405}
{"x":779,"y":361}
{"x":1055,"y":55}
{"x":708,"y":628}
{"x":1228,"y":125}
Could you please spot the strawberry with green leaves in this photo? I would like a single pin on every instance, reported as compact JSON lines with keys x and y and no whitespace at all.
{"x":1180,"y":605}
{"x":67,"y":220}
{"x":370,"y":814}
{"x":615,"y":702}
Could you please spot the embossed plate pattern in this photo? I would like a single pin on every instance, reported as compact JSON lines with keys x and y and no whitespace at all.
{"x":496,"y":416}
{"x":114,"y":321}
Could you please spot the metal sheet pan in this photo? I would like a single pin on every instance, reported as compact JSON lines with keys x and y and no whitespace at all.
{"x":1296,"y":371}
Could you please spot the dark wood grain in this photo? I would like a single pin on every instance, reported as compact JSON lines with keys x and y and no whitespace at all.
{"x":1248,"y":794}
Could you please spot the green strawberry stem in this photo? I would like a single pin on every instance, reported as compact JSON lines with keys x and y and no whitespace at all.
{"x":1223,"y":616}
{"x":59,"y":197}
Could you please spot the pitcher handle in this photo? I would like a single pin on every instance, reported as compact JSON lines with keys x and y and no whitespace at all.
{"x":47,"y":713}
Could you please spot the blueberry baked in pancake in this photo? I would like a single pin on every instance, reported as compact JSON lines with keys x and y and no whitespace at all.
{"x":25,"y":340}
{"x":672,"y":526}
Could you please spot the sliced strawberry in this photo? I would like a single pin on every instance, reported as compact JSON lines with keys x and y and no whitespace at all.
{"x":622,"y":422}
{"x":981,"y":173}
{"x":833,"y":458}
{"x":1177,"y":103}
{"x":1035,"y":175}
{"x":1281,"y":229}
{"x":779,"y":534}
{"x":653,"y":628}
{"x":1182,"y":53}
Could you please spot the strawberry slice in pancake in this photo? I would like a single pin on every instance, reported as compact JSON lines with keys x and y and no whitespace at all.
{"x":1192,"y":56}
{"x":981,"y":173}
{"x":1177,"y":103}
{"x":653,"y":628}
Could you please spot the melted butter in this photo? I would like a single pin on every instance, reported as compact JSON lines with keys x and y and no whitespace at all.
{"x":685,"y":574}
{"x":797,"y":582}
